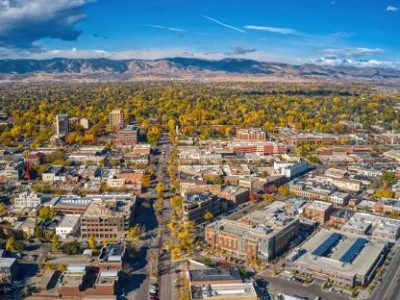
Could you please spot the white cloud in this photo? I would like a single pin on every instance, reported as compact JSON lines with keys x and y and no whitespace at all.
{"x":392,"y":8}
{"x":153,"y":53}
{"x":23,"y":22}
{"x":273,"y":29}
{"x":352,"y":52}
{"x":224,"y":25}
{"x":359,"y":63}
{"x":354,"y":57}
{"x":173,"y":29}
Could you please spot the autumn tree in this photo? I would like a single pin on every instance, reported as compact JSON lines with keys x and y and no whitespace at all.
{"x":146,"y":180}
{"x":208,"y":216}
{"x":134,"y":233}
{"x":383,"y":193}
{"x":160,"y":190}
{"x":283,"y":191}
{"x":3,"y":209}
{"x":10,"y":244}
{"x":153,"y":135}
{"x":177,"y":202}
{"x":92,"y":243}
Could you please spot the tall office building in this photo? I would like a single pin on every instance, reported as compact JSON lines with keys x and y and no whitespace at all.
{"x":62,"y":125}
{"x":116,"y":120}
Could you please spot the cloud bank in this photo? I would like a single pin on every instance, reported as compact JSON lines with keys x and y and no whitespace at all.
{"x":24,"y":22}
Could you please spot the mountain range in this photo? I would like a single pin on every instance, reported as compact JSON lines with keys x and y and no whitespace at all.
{"x":102,"y":69}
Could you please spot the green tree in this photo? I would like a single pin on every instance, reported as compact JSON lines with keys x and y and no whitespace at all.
{"x":55,"y":243}
{"x":39,"y":234}
{"x":72,"y":248}
{"x":388,"y":178}
{"x":46,"y":213}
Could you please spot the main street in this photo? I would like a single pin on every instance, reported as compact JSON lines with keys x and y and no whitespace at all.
{"x":166,"y":267}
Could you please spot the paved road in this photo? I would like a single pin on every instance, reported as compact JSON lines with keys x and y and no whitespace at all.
{"x":167,"y":268}
{"x":389,"y":289}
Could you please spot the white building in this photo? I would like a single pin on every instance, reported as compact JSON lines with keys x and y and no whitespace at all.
{"x":27,"y":200}
{"x":69,"y":225}
{"x":291,"y":170}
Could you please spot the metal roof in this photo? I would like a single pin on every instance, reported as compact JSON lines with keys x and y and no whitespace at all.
{"x":327,"y":245}
{"x":354,"y":250}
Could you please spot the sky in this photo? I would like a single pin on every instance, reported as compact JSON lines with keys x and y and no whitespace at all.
{"x":332,"y":32}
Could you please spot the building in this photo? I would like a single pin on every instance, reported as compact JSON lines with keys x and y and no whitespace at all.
{"x":8,"y":269}
{"x":344,"y":258}
{"x":318,"y":211}
{"x":116,"y":120}
{"x":251,"y":134}
{"x":376,"y":227}
{"x":291,"y":170}
{"x":340,"y":216}
{"x":62,"y":125}
{"x":221,"y":284}
{"x":27,"y":200}
{"x":128,"y":136}
{"x":201,"y":277}
{"x":112,"y":256}
{"x":257,"y":147}
{"x":107,"y":218}
{"x":234,"y":194}
{"x":70,"y":204}
{"x":27,"y":226}
{"x":87,"y":282}
{"x":262,"y":234}
{"x":68,"y":226}
{"x":196,"y":205}
{"x":339,"y":198}
{"x":317,"y":192}
{"x":297,"y":139}
{"x":387,"y":206}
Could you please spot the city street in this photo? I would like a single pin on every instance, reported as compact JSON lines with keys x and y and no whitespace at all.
{"x":166,"y":267}
{"x":389,"y":288}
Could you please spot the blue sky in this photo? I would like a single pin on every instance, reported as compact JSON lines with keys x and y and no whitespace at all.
{"x":349,"y":32}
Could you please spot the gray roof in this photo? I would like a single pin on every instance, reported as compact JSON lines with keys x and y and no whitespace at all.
{"x":215,"y":275}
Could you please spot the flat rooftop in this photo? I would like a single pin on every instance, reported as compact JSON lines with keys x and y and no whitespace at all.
{"x":108,"y":208}
{"x":372,"y":224}
{"x":112,"y":253}
{"x":319,"y":205}
{"x":340,"y":252}
{"x":69,"y":221}
{"x":214,"y":274}
{"x":225,"y":291}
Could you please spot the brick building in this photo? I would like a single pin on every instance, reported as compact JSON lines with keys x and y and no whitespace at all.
{"x":128,"y":136}
{"x":318,"y":211}
{"x":251,"y":134}
{"x":107,"y":218}
{"x":259,"y":235}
